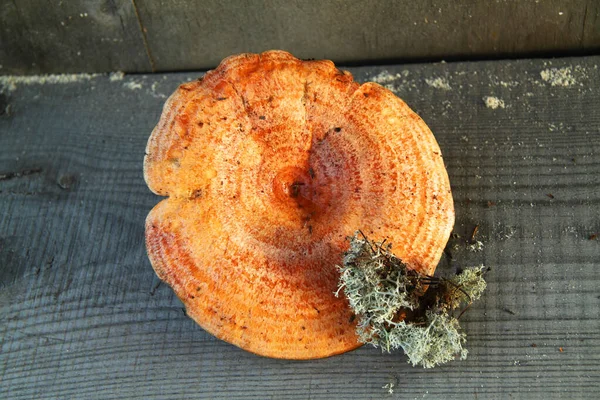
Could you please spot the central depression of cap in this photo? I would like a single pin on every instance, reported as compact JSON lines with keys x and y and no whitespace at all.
{"x":269,"y":164}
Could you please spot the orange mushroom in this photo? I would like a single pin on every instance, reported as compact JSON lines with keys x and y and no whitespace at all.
{"x":269,"y":164}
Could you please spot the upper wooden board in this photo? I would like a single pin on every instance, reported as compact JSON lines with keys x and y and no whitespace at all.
{"x":187,"y":35}
{"x":70,"y":36}
{"x":141,"y":35}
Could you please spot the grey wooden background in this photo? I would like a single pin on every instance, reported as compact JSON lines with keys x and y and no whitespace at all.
{"x":148,"y":35}
{"x":82,"y":314}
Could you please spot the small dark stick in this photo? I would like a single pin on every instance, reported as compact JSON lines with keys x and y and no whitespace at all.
{"x":366,"y":240}
{"x":464,"y":309}
{"x":474,"y":233}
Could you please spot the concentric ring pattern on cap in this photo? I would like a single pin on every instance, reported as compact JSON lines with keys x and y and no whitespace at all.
{"x":269,"y":164}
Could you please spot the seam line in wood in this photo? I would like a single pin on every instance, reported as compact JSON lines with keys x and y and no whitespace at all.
{"x":144,"y":38}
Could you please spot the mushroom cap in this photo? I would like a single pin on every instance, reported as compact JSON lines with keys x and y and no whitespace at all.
{"x":269,"y":164}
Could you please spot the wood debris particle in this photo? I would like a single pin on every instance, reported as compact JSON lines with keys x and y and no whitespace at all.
{"x":389,"y":387}
{"x":558,"y":76}
{"x":133,"y":85}
{"x":116,"y":76}
{"x":438,"y":83}
{"x":475,"y":247}
{"x":474,"y":233}
{"x":493,"y":102}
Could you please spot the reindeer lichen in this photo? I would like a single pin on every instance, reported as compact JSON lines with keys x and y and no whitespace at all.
{"x":398,"y":307}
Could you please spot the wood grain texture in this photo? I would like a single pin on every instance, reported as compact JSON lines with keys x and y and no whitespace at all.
{"x":70,"y":36}
{"x":82,"y":314}
{"x":187,"y":35}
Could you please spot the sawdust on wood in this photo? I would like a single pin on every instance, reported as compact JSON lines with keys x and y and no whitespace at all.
{"x":559,"y":76}
{"x":116,"y":76}
{"x":11,"y":82}
{"x":493,"y":102}
{"x":438,"y":83}
{"x":133,"y":85}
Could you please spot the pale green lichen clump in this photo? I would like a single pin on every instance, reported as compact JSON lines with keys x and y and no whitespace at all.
{"x":393,"y":312}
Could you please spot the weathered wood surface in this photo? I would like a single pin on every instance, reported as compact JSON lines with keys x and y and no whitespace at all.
{"x":82,"y":314}
{"x":142,"y":35}
{"x":70,"y":36}
{"x":346,"y":30}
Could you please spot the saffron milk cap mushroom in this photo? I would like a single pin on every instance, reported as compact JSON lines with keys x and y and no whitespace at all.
{"x":268,"y":164}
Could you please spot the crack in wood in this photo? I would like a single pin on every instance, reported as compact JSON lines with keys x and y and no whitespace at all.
{"x":144,"y":36}
{"x":19,"y":174}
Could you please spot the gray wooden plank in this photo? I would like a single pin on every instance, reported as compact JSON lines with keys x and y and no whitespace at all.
{"x":82,"y":314}
{"x":70,"y":36}
{"x":185,"y":35}
{"x":83,"y":36}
